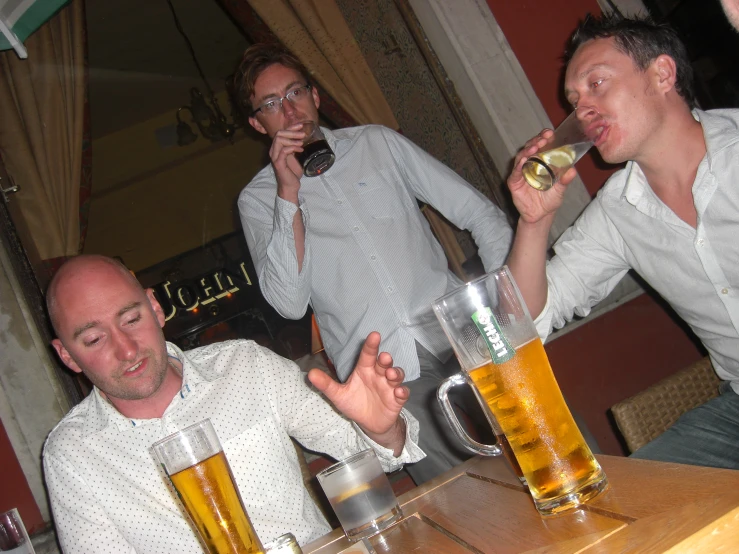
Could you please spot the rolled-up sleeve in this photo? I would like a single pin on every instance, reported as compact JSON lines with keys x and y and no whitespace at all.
{"x":591,"y":259}
{"x":268,"y":230}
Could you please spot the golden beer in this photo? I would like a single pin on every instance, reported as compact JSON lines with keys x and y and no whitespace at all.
{"x":209,"y":494}
{"x":528,"y":405}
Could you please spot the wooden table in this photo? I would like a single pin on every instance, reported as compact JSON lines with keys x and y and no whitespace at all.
{"x":480,"y":507}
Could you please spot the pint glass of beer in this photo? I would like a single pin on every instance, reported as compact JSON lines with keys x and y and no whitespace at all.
{"x":198,"y":468}
{"x":503,"y":359}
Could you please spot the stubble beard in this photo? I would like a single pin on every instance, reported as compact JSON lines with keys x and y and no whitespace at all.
{"x":117,"y":387}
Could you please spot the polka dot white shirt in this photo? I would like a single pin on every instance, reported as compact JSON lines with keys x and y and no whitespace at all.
{"x":109,"y":495}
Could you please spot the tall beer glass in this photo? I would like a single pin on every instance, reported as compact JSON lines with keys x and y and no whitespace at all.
{"x":503,"y":358}
{"x":195,"y":462}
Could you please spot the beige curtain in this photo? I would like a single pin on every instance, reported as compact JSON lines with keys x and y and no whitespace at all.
{"x":316,"y":32}
{"x":41,"y":126}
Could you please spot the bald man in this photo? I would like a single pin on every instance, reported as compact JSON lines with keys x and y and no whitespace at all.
{"x":107,"y":492}
{"x":731,"y":9}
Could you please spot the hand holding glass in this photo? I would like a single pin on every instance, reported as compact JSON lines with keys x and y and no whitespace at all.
{"x":571,"y":140}
{"x":360,"y":495}
{"x":198,"y":468}
{"x":317,"y":156}
{"x":503,"y":358}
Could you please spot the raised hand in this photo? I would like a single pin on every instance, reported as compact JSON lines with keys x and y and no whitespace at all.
{"x":534,"y":205}
{"x":372,"y":396}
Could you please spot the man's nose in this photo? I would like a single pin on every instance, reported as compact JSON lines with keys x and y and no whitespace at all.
{"x":586,"y":112}
{"x":287,"y":107}
{"x":125,"y":346}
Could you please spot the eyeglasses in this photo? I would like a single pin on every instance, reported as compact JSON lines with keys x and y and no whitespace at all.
{"x":294,"y":96}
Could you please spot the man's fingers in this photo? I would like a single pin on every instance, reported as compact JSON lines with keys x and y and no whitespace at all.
{"x":370,"y":349}
{"x":532,"y":146}
{"x":394,"y":375}
{"x":568,"y":176}
{"x":323,"y":382}
{"x":385,"y":360}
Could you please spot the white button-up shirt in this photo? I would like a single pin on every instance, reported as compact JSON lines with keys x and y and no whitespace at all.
{"x":696,"y":270}
{"x":109,"y":494}
{"x":371,"y":262}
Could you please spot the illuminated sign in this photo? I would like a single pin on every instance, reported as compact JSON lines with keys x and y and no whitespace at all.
{"x":189,"y":295}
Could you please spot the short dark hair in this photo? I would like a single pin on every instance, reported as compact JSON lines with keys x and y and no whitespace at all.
{"x":642,"y":40}
{"x":257,"y":58}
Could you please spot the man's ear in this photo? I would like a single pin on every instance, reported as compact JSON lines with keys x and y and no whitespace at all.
{"x":316,"y":98}
{"x":665,"y":71}
{"x":65,"y":356}
{"x":161,"y":318}
{"x":258,"y":126}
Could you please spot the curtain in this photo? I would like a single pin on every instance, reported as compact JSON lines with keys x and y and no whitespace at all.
{"x":316,"y":32}
{"x":42,"y":113}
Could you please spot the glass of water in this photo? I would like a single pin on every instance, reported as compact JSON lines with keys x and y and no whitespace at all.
{"x":361,"y":495}
{"x":13,"y":535}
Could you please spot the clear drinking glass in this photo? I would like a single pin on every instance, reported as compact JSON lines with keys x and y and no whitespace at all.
{"x":284,"y":544}
{"x":198,"y":468}
{"x":571,"y":140}
{"x":317,"y":156}
{"x":361,"y":495}
{"x":13,"y":535}
{"x":503,"y":359}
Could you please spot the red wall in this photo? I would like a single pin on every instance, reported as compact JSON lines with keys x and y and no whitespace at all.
{"x":632,"y":347}
{"x":15,"y":491}
{"x":615,"y":356}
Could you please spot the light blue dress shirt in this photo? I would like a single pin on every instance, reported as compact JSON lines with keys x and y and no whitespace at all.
{"x":371,"y":262}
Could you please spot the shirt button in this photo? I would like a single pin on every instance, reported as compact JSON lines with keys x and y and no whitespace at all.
{"x":390,"y":289}
{"x":340,"y":201}
{"x":700,"y":242}
{"x":356,"y":228}
{"x":724,"y":291}
{"x":373,"y":257}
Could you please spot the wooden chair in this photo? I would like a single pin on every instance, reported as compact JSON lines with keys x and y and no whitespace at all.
{"x":650,"y":413}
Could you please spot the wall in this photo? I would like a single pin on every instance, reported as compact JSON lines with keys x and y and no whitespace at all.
{"x":624,"y":351}
{"x":31,"y":401}
{"x":151,"y":202}
{"x":16,"y":492}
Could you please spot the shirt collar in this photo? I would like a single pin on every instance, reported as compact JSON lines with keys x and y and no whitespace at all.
{"x":336,"y":140}
{"x":719,"y":132}
{"x":636,"y":183}
{"x":102,"y":413}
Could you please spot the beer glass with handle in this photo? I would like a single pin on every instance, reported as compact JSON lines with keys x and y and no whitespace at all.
{"x":503,"y":359}
{"x":198,"y":468}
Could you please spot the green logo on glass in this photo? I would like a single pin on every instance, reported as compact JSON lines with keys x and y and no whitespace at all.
{"x":500,"y":349}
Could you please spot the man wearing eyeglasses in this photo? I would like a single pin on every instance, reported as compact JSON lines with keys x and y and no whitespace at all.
{"x":352,"y":242}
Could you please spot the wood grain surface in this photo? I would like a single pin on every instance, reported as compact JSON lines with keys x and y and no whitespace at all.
{"x":481,"y":507}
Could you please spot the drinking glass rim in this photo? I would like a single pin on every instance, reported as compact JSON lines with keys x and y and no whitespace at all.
{"x":184,"y":430}
{"x":502,"y":269}
{"x":345,"y":462}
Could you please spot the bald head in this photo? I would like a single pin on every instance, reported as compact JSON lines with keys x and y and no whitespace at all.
{"x":74,"y":273}
{"x":731,"y":8}
{"x":109,"y":328}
